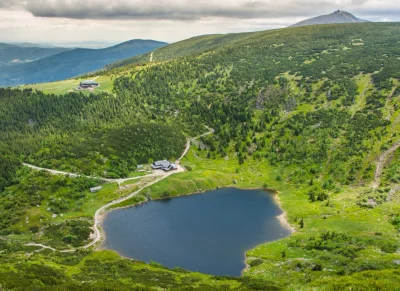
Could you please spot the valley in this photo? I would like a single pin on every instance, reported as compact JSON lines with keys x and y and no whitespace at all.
{"x":12,"y":54}
{"x":71,"y":63}
{"x":301,"y":111}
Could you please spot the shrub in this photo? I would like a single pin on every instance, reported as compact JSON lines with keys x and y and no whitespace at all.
{"x":256,"y":262}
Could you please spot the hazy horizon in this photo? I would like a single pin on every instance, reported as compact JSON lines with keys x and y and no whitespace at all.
{"x":61,"y":23}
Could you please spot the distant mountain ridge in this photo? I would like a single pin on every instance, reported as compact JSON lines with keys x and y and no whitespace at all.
{"x":11,"y":55}
{"x":338,"y":16}
{"x":74,"y":62}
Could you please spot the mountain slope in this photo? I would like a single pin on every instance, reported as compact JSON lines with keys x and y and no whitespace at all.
{"x":252,"y":71}
{"x":307,"y":111}
{"x":74,"y":62}
{"x":335,"y":17}
{"x":191,"y":46}
{"x":16,"y":54}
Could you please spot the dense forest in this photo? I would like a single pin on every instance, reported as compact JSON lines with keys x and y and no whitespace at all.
{"x":317,"y":104}
{"x":265,"y":96}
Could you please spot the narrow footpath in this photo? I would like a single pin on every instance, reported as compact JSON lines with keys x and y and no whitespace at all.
{"x":97,"y":237}
{"x":383,"y":159}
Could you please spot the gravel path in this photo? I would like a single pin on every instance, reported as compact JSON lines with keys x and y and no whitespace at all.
{"x":381,"y":164}
{"x":99,"y":213}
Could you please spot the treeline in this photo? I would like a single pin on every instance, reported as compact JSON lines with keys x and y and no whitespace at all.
{"x":8,"y":168}
{"x":50,"y":130}
{"x":116,"y":152}
{"x":271,"y":72}
{"x":225,"y":89}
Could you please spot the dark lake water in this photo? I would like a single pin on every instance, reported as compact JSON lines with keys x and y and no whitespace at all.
{"x":209,"y":232}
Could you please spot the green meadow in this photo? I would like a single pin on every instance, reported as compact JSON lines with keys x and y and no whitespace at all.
{"x":70,"y":85}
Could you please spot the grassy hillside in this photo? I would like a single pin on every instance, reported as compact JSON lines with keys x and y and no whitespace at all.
{"x":70,"y":85}
{"x":74,"y":62}
{"x":192,"y":46}
{"x":312,"y":112}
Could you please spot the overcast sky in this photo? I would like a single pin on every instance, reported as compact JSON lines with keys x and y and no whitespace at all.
{"x":61,"y":21}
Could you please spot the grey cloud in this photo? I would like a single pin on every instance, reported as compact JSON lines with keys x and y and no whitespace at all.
{"x":11,"y":4}
{"x":197,"y":9}
{"x":142,"y":9}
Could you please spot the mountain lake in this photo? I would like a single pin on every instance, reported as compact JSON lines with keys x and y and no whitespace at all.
{"x":208,"y":232}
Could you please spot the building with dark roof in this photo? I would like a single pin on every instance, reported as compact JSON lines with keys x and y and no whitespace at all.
{"x":88,"y":84}
{"x":163,"y":165}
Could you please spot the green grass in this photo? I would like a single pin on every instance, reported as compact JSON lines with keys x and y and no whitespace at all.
{"x":364,"y":83}
{"x":345,"y":116}
{"x":41,"y":217}
{"x":370,"y":229}
{"x":106,"y":270}
{"x":65,"y":86}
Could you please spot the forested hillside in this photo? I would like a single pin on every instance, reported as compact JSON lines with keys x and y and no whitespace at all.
{"x":309,"y":111}
{"x":259,"y":93}
{"x":195,"y":45}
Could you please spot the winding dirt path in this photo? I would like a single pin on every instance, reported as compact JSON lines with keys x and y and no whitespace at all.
{"x":188,"y":143}
{"x":56,"y":172}
{"x":381,"y":164}
{"x":118,"y":181}
{"x":40,"y":245}
{"x":99,"y":213}
{"x":156,"y":173}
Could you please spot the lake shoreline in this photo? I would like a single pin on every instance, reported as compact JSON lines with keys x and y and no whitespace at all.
{"x":282,"y":218}
{"x":105,"y":213}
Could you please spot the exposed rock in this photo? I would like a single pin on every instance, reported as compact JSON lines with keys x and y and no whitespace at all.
{"x":338,"y":16}
{"x":372,"y":203}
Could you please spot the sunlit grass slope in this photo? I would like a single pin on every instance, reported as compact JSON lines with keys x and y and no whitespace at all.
{"x":70,"y":85}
